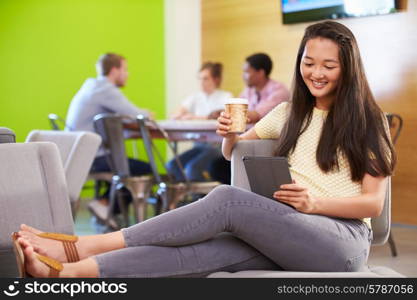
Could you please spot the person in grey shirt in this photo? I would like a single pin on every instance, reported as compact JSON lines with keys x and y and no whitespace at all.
{"x":103,"y":95}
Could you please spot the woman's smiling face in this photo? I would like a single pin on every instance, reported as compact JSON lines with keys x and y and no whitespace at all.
{"x":320,"y":68}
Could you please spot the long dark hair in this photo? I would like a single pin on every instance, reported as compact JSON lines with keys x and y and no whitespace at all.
{"x":354,"y":125}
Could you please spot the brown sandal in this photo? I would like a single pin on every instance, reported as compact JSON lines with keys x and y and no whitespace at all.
{"x":68,"y":242}
{"x":55,"y":267}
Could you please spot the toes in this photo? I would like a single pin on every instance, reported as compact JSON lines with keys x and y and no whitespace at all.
{"x":31,"y":238}
{"x":24,"y":233}
{"x":25,"y":227}
{"x":29,"y":252}
{"x":26,"y":241}
{"x":23,"y":242}
{"x":38,"y":249}
{"x":27,"y":236}
{"x":32,"y":265}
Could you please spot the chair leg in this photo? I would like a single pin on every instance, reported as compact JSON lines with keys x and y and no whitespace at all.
{"x":175,"y":195}
{"x":112,"y":202}
{"x":97,"y":185}
{"x":140,"y":206}
{"x":162,"y":203}
{"x":392,"y":245}
{"x":124,"y":209}
{"x":158,"y":204}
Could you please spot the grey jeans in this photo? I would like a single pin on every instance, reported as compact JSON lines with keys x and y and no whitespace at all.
{"x":232,"y":229}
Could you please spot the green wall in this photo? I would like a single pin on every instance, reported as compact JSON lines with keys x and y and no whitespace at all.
{"x":49,"y":47}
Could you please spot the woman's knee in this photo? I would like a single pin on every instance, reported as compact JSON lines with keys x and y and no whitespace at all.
{"x":221,"y":193}
{"x":223,"y":189}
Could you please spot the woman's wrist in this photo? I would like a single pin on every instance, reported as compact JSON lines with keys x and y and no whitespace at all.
{"x":317,"y":205}
{"x":228,"y":143}
{"x":231,"y":139}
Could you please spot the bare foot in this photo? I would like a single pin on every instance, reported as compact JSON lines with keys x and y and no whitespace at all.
{"x":43,"y":246}
{"x":33,"y":266}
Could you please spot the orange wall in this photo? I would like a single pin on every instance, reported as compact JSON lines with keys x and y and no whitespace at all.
{"x":234,"y":29}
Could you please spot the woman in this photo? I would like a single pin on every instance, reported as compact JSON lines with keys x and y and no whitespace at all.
{"x":203,"y":105}
{"x":335,"y":138}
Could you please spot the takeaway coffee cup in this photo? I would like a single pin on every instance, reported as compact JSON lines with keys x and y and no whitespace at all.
{"x":238,"y":110}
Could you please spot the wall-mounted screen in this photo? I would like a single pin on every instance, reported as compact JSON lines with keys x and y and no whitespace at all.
{"x":295,"y":11}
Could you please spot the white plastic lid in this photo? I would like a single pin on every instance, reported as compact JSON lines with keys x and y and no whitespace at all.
{"x":237,"y":101}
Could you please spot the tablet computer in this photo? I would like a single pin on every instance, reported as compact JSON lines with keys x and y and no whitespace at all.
{"x":266,"y":174}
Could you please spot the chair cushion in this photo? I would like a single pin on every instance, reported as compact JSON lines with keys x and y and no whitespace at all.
{"x":366,"y":273}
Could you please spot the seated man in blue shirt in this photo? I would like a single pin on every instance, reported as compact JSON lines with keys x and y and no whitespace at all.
{"x":103,"y":95}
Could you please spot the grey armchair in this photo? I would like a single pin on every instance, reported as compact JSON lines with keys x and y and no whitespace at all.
{"x":380,"y":225}
{"x":77,"y":150}
{"x":7,"y":135}
{"x":100,"y":178}
{"x":33,"y":191}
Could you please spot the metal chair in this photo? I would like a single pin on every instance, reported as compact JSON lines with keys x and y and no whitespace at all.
{"x":170,"y":192}
{"x":395,"y":123}
{"x":110,"y":128}
{"x":57,"y":123}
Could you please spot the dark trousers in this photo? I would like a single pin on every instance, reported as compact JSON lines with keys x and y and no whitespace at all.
{"x":195,"y":161}
{"x":220,"y":170}
{"x":136,"y":167}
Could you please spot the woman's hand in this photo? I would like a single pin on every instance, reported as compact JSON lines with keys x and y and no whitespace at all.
{"x":297,"y":196}
{"x":223,"y":124}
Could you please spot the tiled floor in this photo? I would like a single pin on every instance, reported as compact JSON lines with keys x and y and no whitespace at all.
{"x":405,"y":238}
{"x":83,"y":219}
{"x":84,"y":223}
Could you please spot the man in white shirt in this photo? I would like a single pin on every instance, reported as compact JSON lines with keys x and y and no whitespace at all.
{"x":205,"y":104}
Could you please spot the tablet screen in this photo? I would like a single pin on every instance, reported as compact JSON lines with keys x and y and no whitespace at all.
{"x":266,"y":174}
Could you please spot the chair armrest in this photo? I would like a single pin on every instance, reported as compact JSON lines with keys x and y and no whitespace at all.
{"x":381,"y":225}
{"x":7,"y":135}
{"x":248,"y":147}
